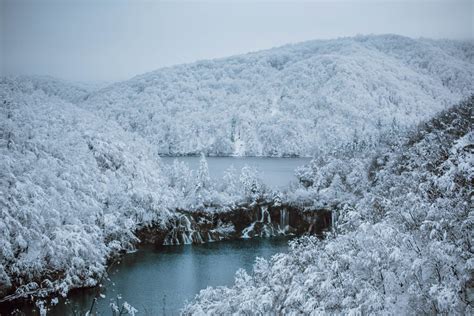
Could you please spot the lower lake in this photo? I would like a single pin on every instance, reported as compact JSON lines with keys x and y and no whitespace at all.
{"x":159,"y":280}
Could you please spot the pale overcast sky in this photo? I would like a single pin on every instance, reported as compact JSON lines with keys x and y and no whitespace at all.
{"x":115,"y":40}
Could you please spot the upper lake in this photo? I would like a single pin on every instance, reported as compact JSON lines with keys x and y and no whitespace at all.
{"x":274,"y":172}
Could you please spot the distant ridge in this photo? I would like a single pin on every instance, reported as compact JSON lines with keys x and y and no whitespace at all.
{"x":294,"y":100}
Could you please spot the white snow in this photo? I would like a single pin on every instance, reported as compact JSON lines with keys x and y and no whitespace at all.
{"x":80,"y":172}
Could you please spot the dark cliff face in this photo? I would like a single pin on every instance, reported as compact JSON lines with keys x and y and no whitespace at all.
{"x":264,"y":219}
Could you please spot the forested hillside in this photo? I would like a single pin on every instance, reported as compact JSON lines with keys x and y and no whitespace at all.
{"x":53,"y":87}
{"x":403,"y":240}
{"x":292,"y":100}
{"x":73,"y":189}
{"x":80,"y":172}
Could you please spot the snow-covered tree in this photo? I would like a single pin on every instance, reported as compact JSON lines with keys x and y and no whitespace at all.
{"x":403,"y":243}
{"x":291,"y":100}
{"x":203,"y":177}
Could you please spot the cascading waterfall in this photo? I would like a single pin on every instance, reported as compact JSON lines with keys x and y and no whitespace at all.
{"x":187,"y":234}
{"x":262,"y":227}
{"x":284,"y":220}
{"x":264,"y":220}
{"x":209,"y":237}
{"x":197,"y":238}
{"x":186,"y":238}
{"x":246,"y":232}
{"x":183,"y":233}
{"x":267,"y":229}
{"x":264,"y":215}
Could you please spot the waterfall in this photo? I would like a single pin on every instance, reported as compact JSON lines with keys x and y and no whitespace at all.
{"x":260,"y":220}
{"x":262,"y":227}
{"x":171,"y":239}
{"x":209,"y":237}
{"x":284,"y":220}
{"x":267,"y":231}
{"x":186,"y":238}
{"x":197,"y":238}
{"x":187,"y":223}
{"x":264,"y":215}
{"x":183,"y":233}
{"x":247,"y":231}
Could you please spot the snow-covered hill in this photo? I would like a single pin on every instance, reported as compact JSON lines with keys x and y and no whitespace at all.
{"x":402,"y":243}
{"x":73,"y":188}
{"x":68,"y":91}
{"x":291,"y":100}
{"x":79,"y":169}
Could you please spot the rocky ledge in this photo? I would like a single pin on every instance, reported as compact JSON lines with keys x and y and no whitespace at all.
{"x":259,"y":219}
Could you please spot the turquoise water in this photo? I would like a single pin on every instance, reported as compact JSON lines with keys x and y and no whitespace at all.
{"x":159,"y":280}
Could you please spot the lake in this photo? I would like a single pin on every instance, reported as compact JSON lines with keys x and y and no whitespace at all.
{"x":158,"y":280}
{"x":275,"y":172}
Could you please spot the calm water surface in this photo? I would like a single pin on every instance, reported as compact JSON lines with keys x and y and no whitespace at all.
{"x":275,"y":172}
{"x":159,"y":280}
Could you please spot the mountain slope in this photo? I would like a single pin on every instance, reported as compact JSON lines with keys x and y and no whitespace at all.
{"x":292,"y":100}
{"x":73,"y":189}
{"x":79,"y":170}
{"x":402,"y":243}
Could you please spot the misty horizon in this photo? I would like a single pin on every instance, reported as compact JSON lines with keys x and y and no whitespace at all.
{"x":122,"y":40}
